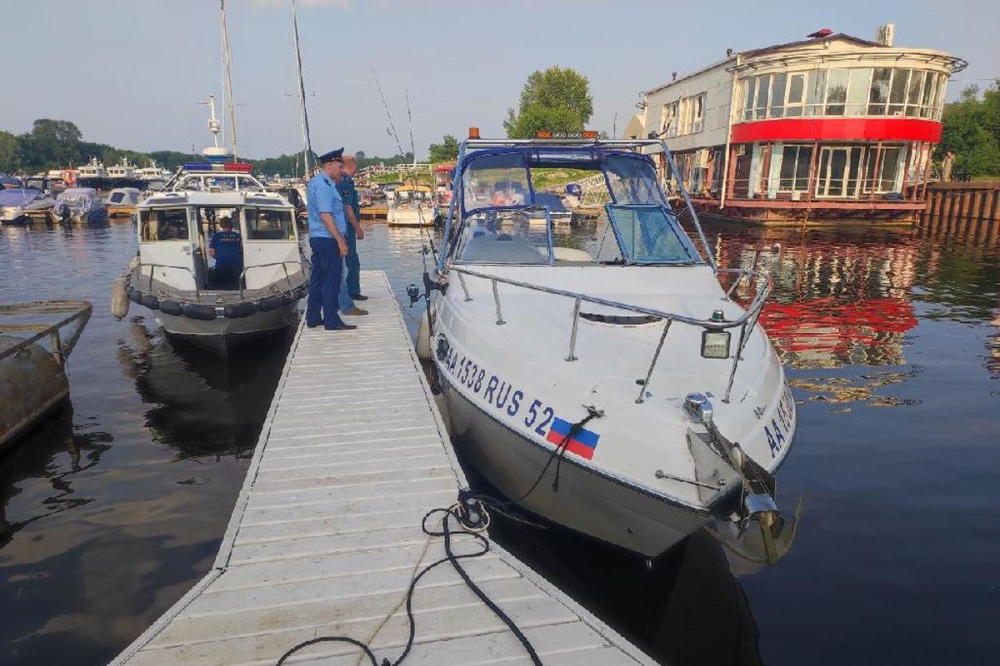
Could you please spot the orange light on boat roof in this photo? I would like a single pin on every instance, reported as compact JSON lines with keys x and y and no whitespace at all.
{"x":589,"y":134}
{"x":473,"y":132}
{"x":543,"y":134}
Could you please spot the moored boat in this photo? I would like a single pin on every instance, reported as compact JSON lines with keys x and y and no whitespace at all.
{"x":626,"y":395}
{"x":80,"y":205}
{"x":176,"y":277}
{"x":22,"y":205}
{"x":122,"y":201}
{"x":412,"y":206}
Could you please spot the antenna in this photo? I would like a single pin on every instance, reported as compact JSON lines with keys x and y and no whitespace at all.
{"x":229,"y":78}
{"x":214,"y":126}
{"x":306,"y":140}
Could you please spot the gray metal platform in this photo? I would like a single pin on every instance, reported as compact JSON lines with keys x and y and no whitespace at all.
{"x":325,"y":537}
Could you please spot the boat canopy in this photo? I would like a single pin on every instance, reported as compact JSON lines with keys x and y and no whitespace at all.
{"x":495,"y":190}
{"x":18,"y":197}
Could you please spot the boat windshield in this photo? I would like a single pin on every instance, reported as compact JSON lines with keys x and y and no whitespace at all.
{"x":650,"y":234}
{"x":496,"y":180}
{"x":268,"y":224}
{"x":504,"y":237}
{"x":17,"y":197}
{"x":163,"y":224}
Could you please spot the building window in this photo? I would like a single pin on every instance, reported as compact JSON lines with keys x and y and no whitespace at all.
{"x":858,"y":91}
{"x":793,"y":168}
{"x":668,"y":122}
{"x":685,"y":116}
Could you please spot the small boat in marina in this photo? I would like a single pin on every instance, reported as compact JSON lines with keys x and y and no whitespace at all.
{"x":122,"y":201}
{"x":174,"y":274}
{"x":33,"y":378}
{"x":627,"y":395}
{"x":23,"y":205}
{"x":412,"y":206}
{"x":80,"y":205}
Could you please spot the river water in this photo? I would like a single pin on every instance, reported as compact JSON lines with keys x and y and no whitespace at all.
{"x":115,"y":507}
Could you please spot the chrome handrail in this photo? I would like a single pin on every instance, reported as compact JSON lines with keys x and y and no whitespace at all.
{"x":752,"y":313}
{"x":194,"y":279}
{"x":283,"y":264}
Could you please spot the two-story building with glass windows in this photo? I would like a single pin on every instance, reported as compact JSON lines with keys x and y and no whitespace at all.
{"x":821,"y":130}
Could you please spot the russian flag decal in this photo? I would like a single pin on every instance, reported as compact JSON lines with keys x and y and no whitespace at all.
{"x":583,"y":443}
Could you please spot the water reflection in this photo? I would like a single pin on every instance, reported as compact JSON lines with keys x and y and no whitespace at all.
{"x":201,"y":405}
{"x":36,"y":457}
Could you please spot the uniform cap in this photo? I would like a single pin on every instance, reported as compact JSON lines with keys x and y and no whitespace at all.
{"x":332,"y":156}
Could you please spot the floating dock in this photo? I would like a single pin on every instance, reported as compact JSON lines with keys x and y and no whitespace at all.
{"x":326,"y":535}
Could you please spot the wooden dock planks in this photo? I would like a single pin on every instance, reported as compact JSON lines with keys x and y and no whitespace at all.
{"x":325,"y":537}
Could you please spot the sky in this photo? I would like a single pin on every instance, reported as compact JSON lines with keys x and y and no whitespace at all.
{"x":130,"y":73}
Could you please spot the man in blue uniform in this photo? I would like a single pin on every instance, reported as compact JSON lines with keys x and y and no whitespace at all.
{"x":226,"y":247}
{"x":327,"y":226}
{"x":354,"y":231}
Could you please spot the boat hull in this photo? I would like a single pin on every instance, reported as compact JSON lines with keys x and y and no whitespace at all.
{"x":222,"y":334}
{"x":586,"y":501}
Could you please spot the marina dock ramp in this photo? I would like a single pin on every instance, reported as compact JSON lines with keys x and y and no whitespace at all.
{"x":326,"y":535}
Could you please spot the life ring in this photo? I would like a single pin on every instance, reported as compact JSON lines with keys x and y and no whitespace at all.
{"x":69,"y":177}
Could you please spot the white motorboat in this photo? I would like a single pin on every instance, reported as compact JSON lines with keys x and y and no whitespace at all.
{"x":23,"y":205}
{"x":123,"y":200}
{"x":92,"y":174}
{"x":412,"y":206}
{"x":175,"y":277}
{"x":80,"y":205}
{"x":626,"y":395}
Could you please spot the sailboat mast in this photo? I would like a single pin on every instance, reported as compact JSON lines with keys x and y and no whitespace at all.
{"x":229,"y":78}
{"x":304,"y":114}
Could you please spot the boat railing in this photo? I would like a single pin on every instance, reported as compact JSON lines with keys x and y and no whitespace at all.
{"x":60,"y":348}
{"x":284,"y":265}
{"x":746,"y":322}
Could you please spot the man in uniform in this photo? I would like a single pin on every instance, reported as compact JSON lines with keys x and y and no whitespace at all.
{"x":354,"y":231}
{"x":327,"y":226}
{"x":226,"y":247}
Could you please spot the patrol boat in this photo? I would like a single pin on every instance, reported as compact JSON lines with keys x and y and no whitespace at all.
{"x":173,"y":274}
{"x":624,"y":392}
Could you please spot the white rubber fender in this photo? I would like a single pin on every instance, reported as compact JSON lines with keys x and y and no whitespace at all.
{"x":424,"y":338}
{"x":119,"y":299}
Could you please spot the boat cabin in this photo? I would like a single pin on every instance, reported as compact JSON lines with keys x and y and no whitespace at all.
{"x":176,"y":230}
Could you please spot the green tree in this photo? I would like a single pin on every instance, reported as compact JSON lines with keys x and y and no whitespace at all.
{"x":972,"y":131}
{"x":446,"y":151}
{"x":10,"y":152}
{"x":54,"y":143}
{"x":557,"y":99}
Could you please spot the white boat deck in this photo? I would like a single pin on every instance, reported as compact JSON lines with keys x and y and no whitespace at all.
{"x":325,"y":537}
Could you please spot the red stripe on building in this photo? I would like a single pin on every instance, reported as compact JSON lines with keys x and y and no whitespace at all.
{"x":838,"y":129}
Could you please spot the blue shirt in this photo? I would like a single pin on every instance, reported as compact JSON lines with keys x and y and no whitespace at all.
{"x":228,"y":246}
{"x":349,"y":193}
{"x":322,"y":197}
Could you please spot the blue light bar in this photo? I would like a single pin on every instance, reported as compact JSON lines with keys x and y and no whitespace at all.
{"x":197,"y":166}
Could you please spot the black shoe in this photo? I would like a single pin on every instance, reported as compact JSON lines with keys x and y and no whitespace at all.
{"x":358,"y":297}
{"x":308,"y":325}
{"x":342,"y":327}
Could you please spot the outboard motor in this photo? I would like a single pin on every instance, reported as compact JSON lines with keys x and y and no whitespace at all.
{"x":759,"y":488}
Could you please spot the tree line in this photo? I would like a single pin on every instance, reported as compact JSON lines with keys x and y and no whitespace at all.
{"x":972,"y":132}
{"x":59,"y":144}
